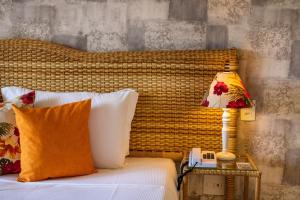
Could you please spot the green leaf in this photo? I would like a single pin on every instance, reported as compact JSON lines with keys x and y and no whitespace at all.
{"x":5,"y":128}
{"x":4,"y":161}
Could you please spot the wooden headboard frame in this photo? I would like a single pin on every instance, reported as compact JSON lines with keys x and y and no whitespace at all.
{"x":168,"y":119}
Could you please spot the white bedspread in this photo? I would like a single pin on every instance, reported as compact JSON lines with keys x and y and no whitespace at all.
{"x":140,"y":179}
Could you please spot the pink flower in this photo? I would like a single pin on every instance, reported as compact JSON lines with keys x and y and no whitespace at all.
{"x":240,"y":103}
{"x":11,"y":168}
{"x":28,"y":98}
{"x":205,"y":103}
{"x":219,"y":88}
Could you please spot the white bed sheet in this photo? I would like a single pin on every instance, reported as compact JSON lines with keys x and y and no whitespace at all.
{"x":140,"y":179}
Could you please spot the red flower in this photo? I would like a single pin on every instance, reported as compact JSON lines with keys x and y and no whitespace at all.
{"x":219,"y":88}
{"x":11,"y":168}
{"x":16,"y":132}
{"x":28,"y":98}
{"x":240,"y":103}
{"x":205,"y":103}
{"x":12,"y":150}
{"x":246,"y":93}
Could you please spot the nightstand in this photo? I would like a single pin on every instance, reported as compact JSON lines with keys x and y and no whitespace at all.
{"x":229,"y":170}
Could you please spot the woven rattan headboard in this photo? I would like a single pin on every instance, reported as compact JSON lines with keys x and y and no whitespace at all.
{"x":170,"y":83}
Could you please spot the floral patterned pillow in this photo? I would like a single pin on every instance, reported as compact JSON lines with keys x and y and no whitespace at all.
{"x":9,"y":133}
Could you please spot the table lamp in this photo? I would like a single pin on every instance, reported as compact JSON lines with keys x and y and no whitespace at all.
{"x":228,"y":92}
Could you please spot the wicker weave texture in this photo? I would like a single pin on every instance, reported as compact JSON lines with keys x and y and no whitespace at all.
{"x":170,"y":85}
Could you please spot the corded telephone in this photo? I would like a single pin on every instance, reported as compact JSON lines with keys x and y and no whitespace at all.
{"x":198,"y":158}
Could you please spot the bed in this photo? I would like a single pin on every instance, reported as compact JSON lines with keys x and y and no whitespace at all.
{"x":168,"y":121}
{"x":140,"y":179}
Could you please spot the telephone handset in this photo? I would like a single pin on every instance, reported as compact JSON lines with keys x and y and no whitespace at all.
{"x":198,"y":158}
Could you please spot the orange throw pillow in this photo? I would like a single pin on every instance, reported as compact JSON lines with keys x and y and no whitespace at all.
{"x":54,"y":141}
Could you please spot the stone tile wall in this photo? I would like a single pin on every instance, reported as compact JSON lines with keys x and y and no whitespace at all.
{"x":266,"y":31}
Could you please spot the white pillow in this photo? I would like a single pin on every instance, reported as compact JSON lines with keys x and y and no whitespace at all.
{"x":110,"y":120}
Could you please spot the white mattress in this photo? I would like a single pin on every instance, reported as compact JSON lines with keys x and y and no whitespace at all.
{"x":140,"y":179}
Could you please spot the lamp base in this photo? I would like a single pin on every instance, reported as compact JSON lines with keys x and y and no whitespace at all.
{"x":225,"y":156}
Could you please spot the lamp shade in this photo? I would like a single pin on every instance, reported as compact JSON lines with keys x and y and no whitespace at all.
{"x":227,"y":91}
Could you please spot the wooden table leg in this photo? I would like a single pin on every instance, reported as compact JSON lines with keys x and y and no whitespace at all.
{"x":185,"y":188}
{"x":257,"y":187}
{"x":229,"y":194}
{"x":246,"y":186}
